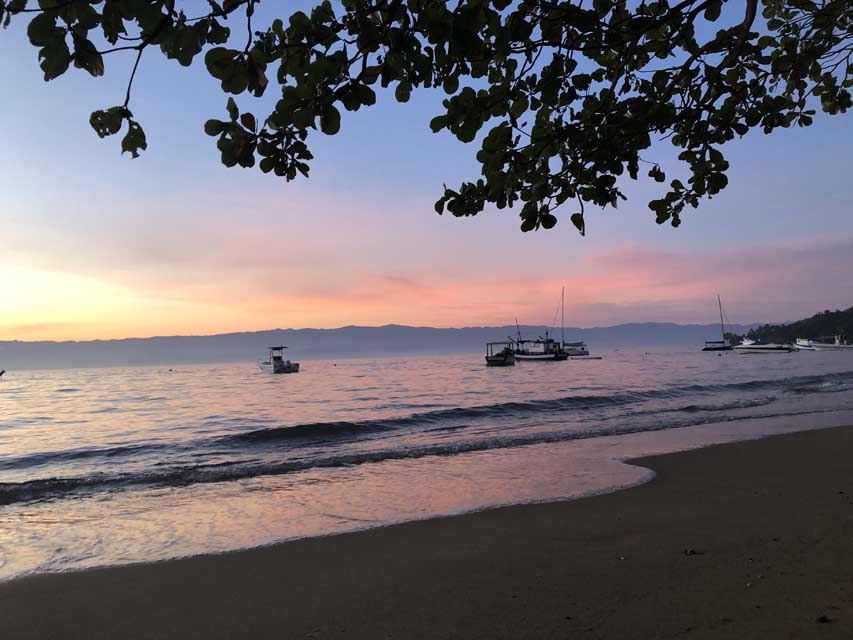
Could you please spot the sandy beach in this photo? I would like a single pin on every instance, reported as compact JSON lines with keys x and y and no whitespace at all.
{"x":745,"y":540}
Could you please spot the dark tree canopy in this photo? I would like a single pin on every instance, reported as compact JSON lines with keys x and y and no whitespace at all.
{"x":565,"y":96}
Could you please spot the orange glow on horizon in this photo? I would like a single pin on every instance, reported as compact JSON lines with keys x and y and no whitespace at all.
{"x":624,"y":285}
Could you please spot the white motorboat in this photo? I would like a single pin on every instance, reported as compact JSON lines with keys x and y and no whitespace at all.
{"x":275,"y":362}
{"x":804,"y":344}
{"x":839,"y":344}
{"x":751,"y":346}
{"x":575,"y":349}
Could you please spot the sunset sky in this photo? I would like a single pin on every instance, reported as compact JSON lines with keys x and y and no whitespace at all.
{"x":96,"y":245}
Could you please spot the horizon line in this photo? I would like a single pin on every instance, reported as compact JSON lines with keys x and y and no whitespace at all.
{"x":383,"y":326}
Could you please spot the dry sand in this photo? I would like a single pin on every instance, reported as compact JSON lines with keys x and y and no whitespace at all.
{"x":746,"y":540}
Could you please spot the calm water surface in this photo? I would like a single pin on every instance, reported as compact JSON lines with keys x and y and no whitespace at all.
{"x":117,"y":465}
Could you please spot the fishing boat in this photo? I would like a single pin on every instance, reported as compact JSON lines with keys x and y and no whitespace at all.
{"x":838,"y":344}
{"x":751,"y":346}
{"x":722,"y":344}
{"x":275,"y":362}
{"x":500,"y":354}
{"x":544,"y":349}
{"x":547,"y":348}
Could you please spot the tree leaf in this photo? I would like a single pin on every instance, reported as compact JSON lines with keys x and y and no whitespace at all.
{"x":330,"y":120}
{"x":134,"y":140}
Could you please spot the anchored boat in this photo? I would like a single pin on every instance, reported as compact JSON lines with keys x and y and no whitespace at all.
{"x":751,"y":346}
{"x":548,"y":349}
{"x":719,"y":345}
{"x":276,"y":363}
{"x":540,"y":349}
{"x":499,"y":354}
{"x":577,"y":349}
{"x":805,"y":344}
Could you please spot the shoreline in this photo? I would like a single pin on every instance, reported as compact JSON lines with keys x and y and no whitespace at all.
{"x":762,"y":552}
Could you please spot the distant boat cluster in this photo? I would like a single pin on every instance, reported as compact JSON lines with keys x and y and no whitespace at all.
{"x":754,"y":346}
{"x":506,"y":353}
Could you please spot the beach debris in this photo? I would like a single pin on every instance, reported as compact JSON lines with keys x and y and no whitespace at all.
{"x":690,"y":551}
{"x":824,"y":619}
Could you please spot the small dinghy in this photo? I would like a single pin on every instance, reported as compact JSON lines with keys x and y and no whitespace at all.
{"x":499,"y":354}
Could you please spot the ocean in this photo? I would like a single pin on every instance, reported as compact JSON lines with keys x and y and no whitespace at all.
{"x":106,"y":466}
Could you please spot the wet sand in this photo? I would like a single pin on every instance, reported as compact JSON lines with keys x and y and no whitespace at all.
{"x":745,"y":540}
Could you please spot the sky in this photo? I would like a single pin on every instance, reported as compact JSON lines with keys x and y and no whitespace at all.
{"x":96,"y":245}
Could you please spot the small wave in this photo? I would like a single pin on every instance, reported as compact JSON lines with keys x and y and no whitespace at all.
{"x":105,"y":410}
{"x":52,"y":488}
{"x":59,"y":457}
{"x":827,"y":386}
{"x":510,"y":410}
{"x":728,"y":406}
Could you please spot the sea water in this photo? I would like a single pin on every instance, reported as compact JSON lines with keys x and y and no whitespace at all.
{"x":107,"y":466}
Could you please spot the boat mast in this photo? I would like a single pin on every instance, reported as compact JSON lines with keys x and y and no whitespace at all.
{"x":722,"y":326}
{"x":563,"y":317}
{"x":518,"y":330}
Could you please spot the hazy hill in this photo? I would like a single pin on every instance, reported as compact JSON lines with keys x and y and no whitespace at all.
{"x":331,"y":343}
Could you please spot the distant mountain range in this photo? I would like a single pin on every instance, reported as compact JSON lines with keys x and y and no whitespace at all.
{"x":343,"y":342}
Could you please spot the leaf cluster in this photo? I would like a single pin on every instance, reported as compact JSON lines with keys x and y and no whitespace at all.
{"x":563,"y":98}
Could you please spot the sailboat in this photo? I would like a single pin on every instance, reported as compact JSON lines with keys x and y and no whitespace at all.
{"x":719,"y":345}
{"x":572,"y":349}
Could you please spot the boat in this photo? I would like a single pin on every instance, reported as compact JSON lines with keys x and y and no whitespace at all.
{"x":577,"y":349}
{"x":572,"y":349}
{"x":545,"y":348}
{"x":275,"y":362}
{"x":500,"y":354}
{"x":719,"y":345}
{"x":805,"y":344}
{"x":751,"y":346}
{"x":540,"y":349}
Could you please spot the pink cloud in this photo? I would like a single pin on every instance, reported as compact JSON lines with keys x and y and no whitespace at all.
{"x":300,"y":268}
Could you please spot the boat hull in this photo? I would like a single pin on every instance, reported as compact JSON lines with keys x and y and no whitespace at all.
{"x":279,"y":368}
{"x":764,"y":348}
{"x":722,"y":348}
{"x":541,"y":357}
{"x":500,"y":361}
